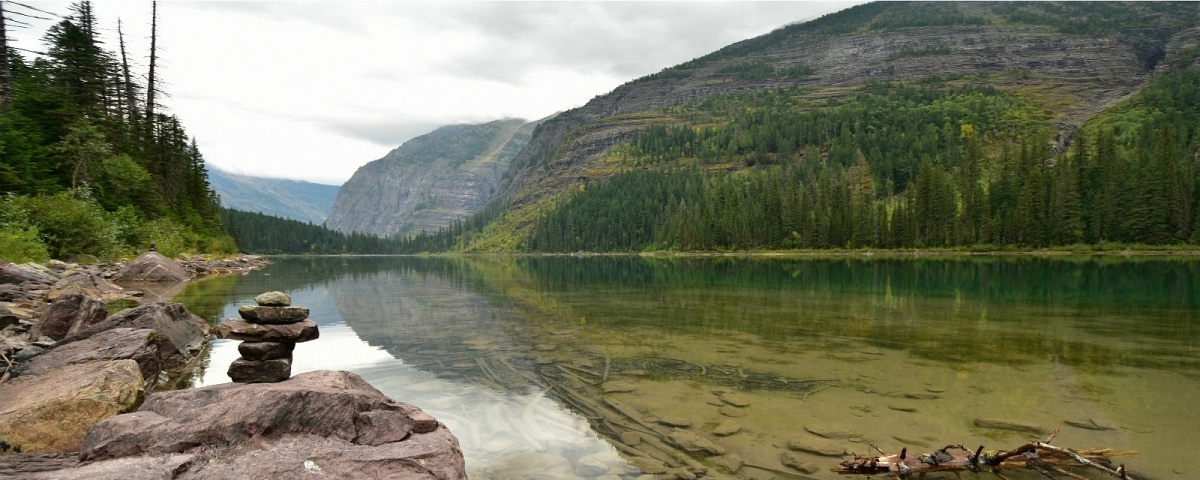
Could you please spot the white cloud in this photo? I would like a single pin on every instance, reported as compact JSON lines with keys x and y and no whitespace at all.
{"x":313,"y":90}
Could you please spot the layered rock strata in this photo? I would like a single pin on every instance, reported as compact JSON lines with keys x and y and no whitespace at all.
{"x":269,"y":331}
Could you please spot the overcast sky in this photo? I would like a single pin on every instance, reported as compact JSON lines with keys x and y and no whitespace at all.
{"x":312,"y":91}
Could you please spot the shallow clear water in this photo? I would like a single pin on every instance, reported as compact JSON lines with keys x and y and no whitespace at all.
{"x":514,"y":353}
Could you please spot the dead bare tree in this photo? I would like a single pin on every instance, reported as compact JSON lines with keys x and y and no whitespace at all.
{"x":1047,"y":459}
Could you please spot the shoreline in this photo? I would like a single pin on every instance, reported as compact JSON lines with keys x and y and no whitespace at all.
{"x":786,"y":254}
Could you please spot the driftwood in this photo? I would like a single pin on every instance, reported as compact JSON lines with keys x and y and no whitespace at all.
{"x":1041,"y":456}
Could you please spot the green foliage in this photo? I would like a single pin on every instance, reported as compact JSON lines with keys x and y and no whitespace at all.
{"x":456,"y":143}
{"x":925,"y":14}
{"x":66,"y":224}
{"x":71,"y":127}
{"x":20,"y":245}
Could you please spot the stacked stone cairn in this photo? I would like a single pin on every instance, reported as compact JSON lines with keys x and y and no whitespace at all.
{"x":269,"y":332}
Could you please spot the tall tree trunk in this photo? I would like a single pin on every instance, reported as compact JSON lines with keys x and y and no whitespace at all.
{"x":5,"y":83}
{"x":152,"y":87}
{"x":130,"y":98}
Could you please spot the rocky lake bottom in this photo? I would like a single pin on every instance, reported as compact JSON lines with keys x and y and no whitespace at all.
{"x":616,"y":368}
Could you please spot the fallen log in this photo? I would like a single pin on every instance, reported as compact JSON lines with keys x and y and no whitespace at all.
{"x":1040,"y":456}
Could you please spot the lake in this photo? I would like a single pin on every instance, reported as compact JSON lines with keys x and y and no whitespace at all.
{"x":557,"y":367}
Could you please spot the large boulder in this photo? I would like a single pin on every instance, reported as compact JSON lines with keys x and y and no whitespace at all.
{"x":152,"y":267}
{"x":67,"y":314}
{"x":319,"y":422}
{"x":181,"y":335}
{"x":53,"y":411}
{"x":18,"y":274}
{"x":87,"y":283}
{"x":139,"y":345}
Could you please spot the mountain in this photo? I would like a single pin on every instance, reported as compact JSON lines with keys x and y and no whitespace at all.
{"x":429,"y":181}
{"x":297,"y":200}
{"x":893,"y":124}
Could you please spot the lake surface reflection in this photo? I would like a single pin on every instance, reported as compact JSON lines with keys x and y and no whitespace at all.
{"x":562,"y":367}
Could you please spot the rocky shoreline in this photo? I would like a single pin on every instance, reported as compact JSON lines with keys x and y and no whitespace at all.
{"x":87,"y":394}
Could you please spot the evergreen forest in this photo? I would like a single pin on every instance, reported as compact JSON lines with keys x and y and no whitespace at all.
{"x":938,"y":163}
{"x":91,"y":162}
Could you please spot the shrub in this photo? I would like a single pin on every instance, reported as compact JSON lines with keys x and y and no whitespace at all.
{"x":20,"y":245}
{"x":66,"y":223}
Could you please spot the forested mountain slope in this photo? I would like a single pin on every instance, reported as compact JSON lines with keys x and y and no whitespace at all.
{"x":884,"y":125}
{"x":297,"y":200}
{"x":430,"y":181}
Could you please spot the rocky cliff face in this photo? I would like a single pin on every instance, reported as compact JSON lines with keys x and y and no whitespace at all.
{"x":303,"y":201}
{"x":430,"y":181}
{"x":1074,"y":64}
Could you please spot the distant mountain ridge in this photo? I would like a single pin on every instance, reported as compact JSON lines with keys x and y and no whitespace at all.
{"x":294,"y":199}
{"x":429,"y":181}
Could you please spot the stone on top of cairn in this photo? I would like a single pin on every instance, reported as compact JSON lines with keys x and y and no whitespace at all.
{"x":269,"y":331}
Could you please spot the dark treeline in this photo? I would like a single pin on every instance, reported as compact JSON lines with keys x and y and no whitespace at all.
{"x":80,"y":133}
{"x":270,"y":235}
{"x":895,"y":167}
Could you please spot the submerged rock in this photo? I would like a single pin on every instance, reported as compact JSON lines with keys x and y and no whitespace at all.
{"x":52,"y":412}
{"x":1011,"y":425}
{"x":799,"y":462}
{"x":727,"y":428}
{"x":618,"y":386}
{"x":692,"y":443}
{"x":729,"y":462}
{"x":817,"y":446}
{"x":828,"y":431}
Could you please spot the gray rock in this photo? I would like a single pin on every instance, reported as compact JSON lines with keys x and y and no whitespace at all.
{"x":140,"y":345}
{"x":181,"y":335}
{"x":52,"y":412}
{"x":69,"y":314}
{"x":273,"y":299}
{"x":692,"y":443}
{"x":269,"y":315}
{"x":234,"y":329}
{"x":671,"y":420}
{"x":265,"y":371}
{"x":87,"y":283}
{"x":1011,"y":425}
{"x":258,"y":351}
{"x":18,"y":274}
{"x":413,"y":188}
{"x":332,"y":422}
{"x":152,"y":267}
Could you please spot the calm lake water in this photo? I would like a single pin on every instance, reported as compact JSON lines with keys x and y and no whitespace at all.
{"x":542,"y":366}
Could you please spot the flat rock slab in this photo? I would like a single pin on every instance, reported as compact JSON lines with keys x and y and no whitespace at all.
{"x":732,"y":412}
{"x":799,"y":462}
{"x":618,"y":386}
{"x":735,"y":399}
{"x":53,"y":411}
{"x":263,"y":371}
{"x":692,"y":443}
{"x":258,"y":351}
{"x":729,"y":462}
{"x":674,"y":421}
{"x":235,"y":329}
{"x":727,"y":428}
{"x":139,"y":345}
{"x":335,"y":405}
{"x":152,"y":267}
{"x":273,"y":299}
{"x":817,"y":446}
{"x":1011,"y":425}
{"x":828,"y":431}
{"x":18,"y":274}
{"x":648,"y":465}
{"x":272,"y":315}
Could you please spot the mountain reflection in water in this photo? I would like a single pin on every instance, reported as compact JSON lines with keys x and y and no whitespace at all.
{"x":539,"y":365}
